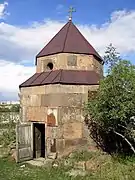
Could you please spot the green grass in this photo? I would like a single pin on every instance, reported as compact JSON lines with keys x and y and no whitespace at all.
{"x":12,"y":171}
{"x":106,"y":168}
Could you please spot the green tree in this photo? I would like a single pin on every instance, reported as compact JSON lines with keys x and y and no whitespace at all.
{"x":15,"y":108}
{"x":112,"y":111}
{"x":111,"y":57}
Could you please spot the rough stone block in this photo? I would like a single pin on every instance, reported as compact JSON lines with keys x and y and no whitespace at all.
{"x":37,"y":114}
{"x":60,"y":145}
{"x":72,"y":60}
{"x":72,"y":130}
{"x":63,"y":99}
{"x":75,"y":142}
{"x":54,"y":132}
{"x":70,"y":114}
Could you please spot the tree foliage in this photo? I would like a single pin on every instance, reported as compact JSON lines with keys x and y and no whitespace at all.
{"x":110,"y":115}
{"x":111,"y":57}
{"x":10,"y":108}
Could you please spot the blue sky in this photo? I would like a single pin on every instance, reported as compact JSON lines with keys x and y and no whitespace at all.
{"x":92,"y":12}
{"x":26,"y":26}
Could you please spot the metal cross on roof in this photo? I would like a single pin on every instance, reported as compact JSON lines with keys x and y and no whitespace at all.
{"x":71,"y":10}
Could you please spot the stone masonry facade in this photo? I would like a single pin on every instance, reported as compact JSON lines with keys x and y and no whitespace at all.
{"x":67,"y":104}
{"x":62,"y":61}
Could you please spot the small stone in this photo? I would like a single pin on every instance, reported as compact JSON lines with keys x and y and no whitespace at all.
{"x":55,"y":165}
{"x":22,"y":166}
{"x":91,"y":165}
{"x":52,"y":156}
{"x":75,"y":173}
{"x":71,"y":155}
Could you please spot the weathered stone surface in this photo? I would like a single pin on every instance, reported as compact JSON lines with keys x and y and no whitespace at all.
{"x":66,"y":100}
{"x":75,"y":142}
{"x":72,"y":60}
{"x":54,"y":132}
{"x":52,"y":155}
{"x":36,"y":114}
{"x":33,"y":90}
{"x":60,"y":61}
{"x":63,"y":99}
{"x":31,"y":100}
{"x":70,"y":114}
{"x":57,"y":88}
{"x":72,"y":130}
{"x":60,"y":145}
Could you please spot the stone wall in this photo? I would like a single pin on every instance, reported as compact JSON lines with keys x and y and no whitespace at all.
{"x":36,"y":101}
{"x":66,"y":102}
{"x":62,"y":61}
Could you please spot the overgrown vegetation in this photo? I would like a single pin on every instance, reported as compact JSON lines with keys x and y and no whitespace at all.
{"x":9,"y":116}
{"x":111,"y":114}
{"x":8,"y":136}
{"x":102,"y":167}
{"x":10,"y":108}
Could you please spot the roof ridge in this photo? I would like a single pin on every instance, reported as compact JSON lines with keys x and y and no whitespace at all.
{"x":66,"y":35}
{"x":46,"y":76}
{"x":56,"y":75}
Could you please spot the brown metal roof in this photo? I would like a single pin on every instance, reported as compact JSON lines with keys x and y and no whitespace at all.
{"x":71,"y":77}
{"x":69,"y":40}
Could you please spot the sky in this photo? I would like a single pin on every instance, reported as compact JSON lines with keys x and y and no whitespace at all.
{"x":26,"y":26}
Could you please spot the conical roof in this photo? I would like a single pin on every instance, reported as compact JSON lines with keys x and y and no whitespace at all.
{"x":69,"y":40}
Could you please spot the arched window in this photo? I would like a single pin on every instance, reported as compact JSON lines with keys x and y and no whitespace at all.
{"x":50,"y":66}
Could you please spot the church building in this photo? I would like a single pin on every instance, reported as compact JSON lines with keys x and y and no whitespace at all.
{"x":52,"y":101}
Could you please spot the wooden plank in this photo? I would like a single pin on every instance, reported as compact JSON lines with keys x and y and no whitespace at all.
{"x":24,"y":142}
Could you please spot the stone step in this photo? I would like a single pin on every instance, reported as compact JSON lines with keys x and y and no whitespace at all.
{"x":52,"y":156}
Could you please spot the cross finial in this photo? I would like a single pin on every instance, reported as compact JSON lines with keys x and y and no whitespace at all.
{"x":71,"y":10}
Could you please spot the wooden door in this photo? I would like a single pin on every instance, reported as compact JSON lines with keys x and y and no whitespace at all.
{"x":24,"y":142}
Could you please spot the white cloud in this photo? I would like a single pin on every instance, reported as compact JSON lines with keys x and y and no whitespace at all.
{"x":21,"y":44}
{"x":3,"y":12}
{"x":11,"y":76}
{"x":119,"y":31}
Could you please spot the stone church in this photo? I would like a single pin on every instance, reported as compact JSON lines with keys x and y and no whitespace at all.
{"x":52,"y":100}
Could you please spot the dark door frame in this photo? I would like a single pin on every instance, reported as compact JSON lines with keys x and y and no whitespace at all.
{"x":43,"y":154}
